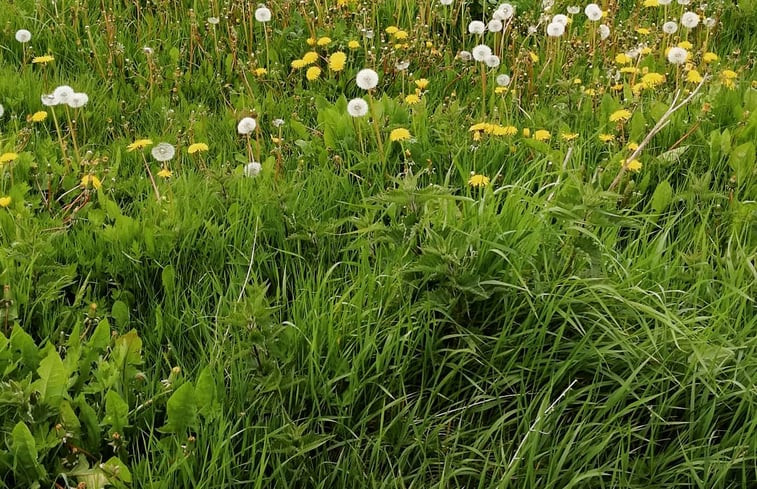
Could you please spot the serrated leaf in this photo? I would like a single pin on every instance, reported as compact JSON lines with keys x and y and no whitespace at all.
{"x":663,"y":194}
{"x":52,"y":381}
{"x":181,"y":409}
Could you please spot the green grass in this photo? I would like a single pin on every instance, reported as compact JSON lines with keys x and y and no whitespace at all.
{"x":371,"y":320}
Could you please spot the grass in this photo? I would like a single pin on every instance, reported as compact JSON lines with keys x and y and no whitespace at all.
{"x":369,"y":319}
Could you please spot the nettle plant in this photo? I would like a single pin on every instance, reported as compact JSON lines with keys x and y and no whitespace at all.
{"x":70,"y":413}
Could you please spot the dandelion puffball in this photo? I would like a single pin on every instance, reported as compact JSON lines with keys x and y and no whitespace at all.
{"x":465,"y":55}
{"x":573,"y":10}
{"x":63,"y":93}
{"x":367,"y":79}
{"x":246,"y":126}
{"x":504,"y":12}
{"x":495,"y":25}
{"x":163,"y":151}
{"x":481,"y":51}
{"x":555,"y":29}
{"x":23,"y":36}
{"x":503,"y":80}
{"x":689,"y":20}
{"x":2,"y":110}
{"x":664,"y":2}
{"x":669,"y":27}
{"x":78,"y":100}
{"x":49,"y":100}
{"x":677,"y":56}
{"x":263,"y":14}
{"x":604,"y":32}
{"x":560,"y":19}
{"x":476,"y":27}
{"x":445,"y":2}
{"x":492,"y":61}
{"x":252,"y":169}
{"x":357,"y":107}
{"x":593,"y":12}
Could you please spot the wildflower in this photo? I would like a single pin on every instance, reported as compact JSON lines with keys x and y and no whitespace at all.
{"x":197,"y":148}
{"x":252,"y":169}
{"x":92,"y":180}
{"x":400,"y":35}
{"x":606,"y":138}
{"x":5,"y":201}
{"x":504,"y":12}
{"x":165,"y":173}
{"x":311,"y":41}
{"x":23,"y":36}
{"x":310,"y":57}
{"x":685,"y":45}
{"x":568,"y":136}
{"x":526,"y":132}
{"x":42,"y":60}
{"x":163,"y":152}
{"x":492,"y":61}
{"x":367,"y":79}
{"x":476,"y":27}
{"x":621,"y":115}
{"x":139,"y":144}
{"x":260,"y":71}
{"x":503,"y":80}
{"x":593,"y":12}
{"x":313,"y":73}
{"x":604,"y":32}
{"x":677,"y":56}
{"x":214,"y":20}
{"x":693,"y":76}
{"x":412,"y":99}
{"x":63,"y":93}
{"x":323,"y":41}
{"x":246,"y":126}
{"x":709,"y":22}
{"x":399,"y":134}
{"x":542,"y":135}
{"x":555,"y":29}
{"x":481,"y":51}
{"x":495,"y":25}
{"x":445,"y":2}
{"x":574,"y":9}
{"x":337,"y":61}
{"x":262,"y":14}
{"x":634,"y":165}
{"x":534,"y":57}
{"x":643,"y":30}
{"x":353,"y":44}
{"x":298,"y":63}
{"x":391,"y":30}
{"x":2,"y":110}
{"x":421,"y":83}
{"x":652,"y":79}
{"x":477,"y":180}
{"x":726,"y":76}
{"x":623,"y":59}
{"x":561,"y":19}
{"x":465,"y":55}
{"x":8,"y":157}
{"x":39,"y":116}
{"x":651,"y":3}
{"x":617,"y":87}
{"x":357,"y":107}
{"x":78,"y":100}
{"x":669,"y":27}
{"x":689,"y":20}
{"x":709,"y":57}
{"x":633,"y":146}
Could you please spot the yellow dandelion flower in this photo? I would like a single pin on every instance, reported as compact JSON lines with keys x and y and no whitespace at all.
{"x":500,"y":90}
{"x":323,"y":41}
{"x":8,"y":157}
{"x":642,"y":31}
{"x":617,"y":87}
{"x":298,"y":63}
{"x":197,"y":148}
{"x":477,"y":136}
{"x":534,"y":57}
{"x":478,"y":126}
{"x":400,"y":35}
{"x":621,"y":115}
{"x":92,"y":180}
{"x":391,"y":30}
{"x":651,"y":3}
{"x":634,"y":165}
{"x":633,"y":146}
{"x":629,"y":69}
{"x":310,"y":57}
{"x":709,"y":57}
{"x":353,"y":44}
{"x":477,"y":180}
{"x":139,"y":144}
{"x":43,"y":59}
{"x":260,"y":71}
{"x":399,"y":134}
{"x":313,"y":73}
{"x":685,"y":45}
{"x":646,"y":50}
{"x":693,"y":76}
{"x":311,"y":41}
{"x":590,"y":92}
{"x":5,"y":201}
{"x":165,"y":173}
{"x":498,"y":130}
{"x":729,"y":74}
{"x":526,"y":132}
{"x":337,"y":61}
{"x":421,"y":83}
{"x":577,"y":81}
{"x":606,"y":138}
{"x":568,"y":136}
{"x":412,"y":99}
{"x":542,"y":135}
{"x":652,"y":79}
{"x":38,"y":116}
{"x":623,"y":59}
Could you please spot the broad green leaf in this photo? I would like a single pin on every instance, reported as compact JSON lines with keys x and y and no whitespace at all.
{"x":21,"y":341}
{"x":127,"y":351}
{"x":52,"y":381}
{"x":206,"y":391}
{"x":168,"y":276}
{"x":662,"y":196}
{"x":25,"y":457}
{"x":116,"y":411}
{"x":115,"y":469}
{"x":742,"y":159}
{"x":181,"y":409}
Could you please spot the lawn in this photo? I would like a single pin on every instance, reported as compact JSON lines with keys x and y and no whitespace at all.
{"x":378,"y":244}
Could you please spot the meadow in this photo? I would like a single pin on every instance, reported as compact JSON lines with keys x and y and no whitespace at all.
{"x":381,"y":244}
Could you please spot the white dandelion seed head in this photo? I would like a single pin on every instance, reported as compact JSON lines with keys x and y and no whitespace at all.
{"x":689,"y":20}
{"x":163,"y":151}
{"x":278,"y":122}
{"x":503,"y":80}
{"x":574,"y":9}
{"x":547,"y":5}
{"x":213,"y":20}
{"x":78,"y":100}
{"x":368,"y":33}
{"x":476,"y":27}
{"x":445,"y":2}
{"x":495,"y":25}
{"x":532,"y":29}
{"x":23,"y":36}
{"x":246,"y":126}
{"x":709,"y":22}
{"x":664,"y":2}
{"x":147,"y":50}
{"x":252,"y":169}
{"x":492,"y":61}
{"x":593,"y":12}
{"x":604,"y":32}
{"x":357,"y":107}
{"x":367,"y":79}
{"x":560,"y":19}
{"x":677,"y":56}
{"x":262,"y":14}
{"x":555,"y":29}
{"x":401,"y":65}
{"x":63,"y":93}
{"x":50,"y":100}
{"x":465,"y":55}
{"x":2,"y":110}
{"x":481,"y":51}
{"x":669,"y":27}
{"x":504,"y":12}
{"x":683,"y":2}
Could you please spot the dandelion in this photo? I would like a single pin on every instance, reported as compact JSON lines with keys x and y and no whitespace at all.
{"x":139,"y":144}
{"x":621,"y":115}
{"x":689,"y":20}
{"x":555,"y":29}
{"x":39,"y":116}
{"x":634,"y":165}
{"x":685,"y":45}
{"x":421,"y":83}
{"x":542,"y":135}
{"x":481,"y":51}
{"x":63,"y":93}
{"x":401,"y":65}
{"x":197,"y":148}
{"x":399,"y":134}
{"x":669,"y":27}
{"x":677,"y":56}
{"x":213,"y":20}
{"x":43,"y":60}
{"x":652,"y":79}
{"x":693,"y":76}
{"x":445,"y":2}
{"x":709,"y":22}
{"x":310,"y":57}
{"x":298,"y":63}
{"x":504,"y":12}
{"x":260,"y":72}
{"x":478,"y":181}
{"x":651,"y":3}
{"x":709,"y":57}
{"x":78,"y":100}
{"x":412,"y":99}
{"x":90,"y":180}
{"x":492,"y":61}
{"x":503,"y":80}
{"x":560,"y":19}
{"x":252,"y":169}
{"x":391,"y":30}
{"x":263,"y":14}
{"x":727,"y":77}
{"x":604,"y":32}
{"x":2,"y":110}
{"x":246,"y":126}
{"x":5,"y":201}
{"x":568,"y":136}
{"x":664,"y":2}
{"x":163,"y":152}
{"x":574,"y":9}
{"x":357,"y":107}
{"x":8,"y":157}
{"x":495,"y":25}
{"x":165,"y":173}
{"x":465,"y":55}
{"x":337,"y":61}
{"x":623,"y":59}
{"x":353,"y":44}
{"x":593,"y":12}
{"x":367,"y":79}
{"x":23,"y":36}
{"x":534,"y":57}
{"x":606,"y":138}
{"x":476,"y":27}
{"x":323,"y":41}
{"x":313,"y":73}
{"x":642,"y":31}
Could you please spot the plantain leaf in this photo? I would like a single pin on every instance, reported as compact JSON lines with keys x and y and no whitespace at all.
{"x":181,"y":409}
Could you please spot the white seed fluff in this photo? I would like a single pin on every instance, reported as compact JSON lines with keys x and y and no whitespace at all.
{"x":367,"y":79}
{"x":357,"y":107}
{"x":246,"y":126}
